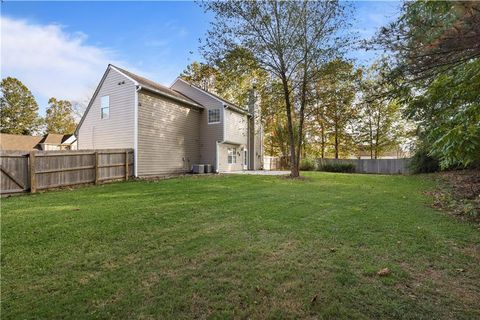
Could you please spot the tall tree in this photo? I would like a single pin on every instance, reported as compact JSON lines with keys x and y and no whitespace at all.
{"x":288,"y":39}
{"x":336,"y":90}
{"x":18,"y":108}
{"x":60,"y":118}
{"x":379,"y":122}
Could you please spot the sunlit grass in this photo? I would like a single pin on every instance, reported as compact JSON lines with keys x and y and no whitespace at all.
{"x":239,"y":246}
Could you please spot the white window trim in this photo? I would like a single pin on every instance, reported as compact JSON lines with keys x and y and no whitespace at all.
{"x":219,"y":116}
{"x":233,"y":156}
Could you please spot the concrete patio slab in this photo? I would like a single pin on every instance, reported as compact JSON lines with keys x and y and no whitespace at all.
{"x":260,"y":172}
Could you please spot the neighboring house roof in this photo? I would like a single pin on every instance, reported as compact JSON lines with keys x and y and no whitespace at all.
{"x":19,"y":142}
{"x":156,"y":87}
{"x":53,"y":138}
{"x":22,"y":142}
{"x":227,"y":103}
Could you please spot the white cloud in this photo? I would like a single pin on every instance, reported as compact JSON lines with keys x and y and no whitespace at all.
{"x":50,"y":61}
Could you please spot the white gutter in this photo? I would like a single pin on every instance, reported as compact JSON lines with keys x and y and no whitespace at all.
{"x":135,"y":133}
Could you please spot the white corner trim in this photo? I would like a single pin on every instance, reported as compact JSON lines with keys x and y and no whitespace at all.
{"x":216,"y":157}
{"x":224,"y":124}
{"x":135,"y":132}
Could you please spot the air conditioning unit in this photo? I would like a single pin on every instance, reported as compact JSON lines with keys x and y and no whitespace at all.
{"x":198,"y":168}
{"x":208,"y":168}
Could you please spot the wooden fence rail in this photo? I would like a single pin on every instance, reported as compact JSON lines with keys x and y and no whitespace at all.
{"x":23,"y":171}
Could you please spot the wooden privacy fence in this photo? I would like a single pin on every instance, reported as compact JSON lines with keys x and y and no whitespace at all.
{"x":382,"y":166}
{"x":23,"y":171}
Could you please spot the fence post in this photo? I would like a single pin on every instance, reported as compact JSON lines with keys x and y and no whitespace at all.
{"x":126,"y":165}
{"x":33,"y":181}
{"x":96,"y":168}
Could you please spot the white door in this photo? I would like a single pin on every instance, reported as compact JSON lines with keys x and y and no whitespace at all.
{"x":245,"y":159}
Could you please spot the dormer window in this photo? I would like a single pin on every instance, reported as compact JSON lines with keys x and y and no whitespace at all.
{"x":105,"y":107}
{"x":213,"y":116}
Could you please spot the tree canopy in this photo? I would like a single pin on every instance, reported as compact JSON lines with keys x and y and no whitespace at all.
{"x":59,"y":117}
{"x":435,"y":72}
{"x":18,"y":108}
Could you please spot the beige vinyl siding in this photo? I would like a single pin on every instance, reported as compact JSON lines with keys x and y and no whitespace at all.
{"x":223,"y":165}
{"x":209,"y":133}
{"x":118,"y":130}
{"x":236,"y":127}
{"x":168,"y":135}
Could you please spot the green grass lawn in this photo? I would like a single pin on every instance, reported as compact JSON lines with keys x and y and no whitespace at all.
{"x":239,"y":247}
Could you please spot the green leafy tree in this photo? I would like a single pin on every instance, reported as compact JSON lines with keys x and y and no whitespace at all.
{"x":19,"y":110}
{"x":336,"y":90}
{"x":435,"y":70}
{"x":380,"y":124}
{"x":60,"y":117}
{"x":448,"y":112}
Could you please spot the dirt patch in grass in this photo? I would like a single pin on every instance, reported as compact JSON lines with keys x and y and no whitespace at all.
{"x":458,"y":192}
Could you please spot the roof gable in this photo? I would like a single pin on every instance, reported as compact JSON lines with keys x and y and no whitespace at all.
{"x":213,"y":95}
{"x":156,"y":87}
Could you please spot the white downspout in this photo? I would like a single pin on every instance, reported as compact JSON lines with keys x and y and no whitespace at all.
{"x":135,"y":132}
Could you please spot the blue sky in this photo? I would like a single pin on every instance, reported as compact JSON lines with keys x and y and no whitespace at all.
{"x":62,"y":48}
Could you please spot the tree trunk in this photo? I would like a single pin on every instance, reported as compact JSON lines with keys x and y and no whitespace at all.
{"x":323,"y":141}
{"x":293,"y":159}
{"x":336,"y":141}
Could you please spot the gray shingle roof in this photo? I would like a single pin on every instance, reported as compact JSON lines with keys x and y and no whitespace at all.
{"x":149,"y":84}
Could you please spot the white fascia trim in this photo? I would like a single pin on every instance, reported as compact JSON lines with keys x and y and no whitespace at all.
{"x":123,"y":74}
{"x":237,"y":110}
{"x":135,"y":133}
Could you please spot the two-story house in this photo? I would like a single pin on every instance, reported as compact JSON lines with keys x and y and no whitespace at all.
{"x":170,"y":129}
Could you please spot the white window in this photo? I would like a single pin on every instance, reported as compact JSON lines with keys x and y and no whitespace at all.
{"x":232,"y":155}
{"x":214,"y":116}
{"x":105,"y":107}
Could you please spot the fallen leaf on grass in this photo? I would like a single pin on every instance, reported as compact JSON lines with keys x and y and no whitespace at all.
{"x":383,"y":272}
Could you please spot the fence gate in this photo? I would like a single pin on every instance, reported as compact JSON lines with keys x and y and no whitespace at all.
{"x":13,"y":172}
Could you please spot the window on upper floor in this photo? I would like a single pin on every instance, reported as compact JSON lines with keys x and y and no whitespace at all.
{"x":105,"y":107}
{"x":213,"y":116}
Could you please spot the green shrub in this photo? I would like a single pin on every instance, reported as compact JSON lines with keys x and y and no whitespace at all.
{"x":337,"y":167}
{"x":307,"y":164}
{"x":422,"y":162}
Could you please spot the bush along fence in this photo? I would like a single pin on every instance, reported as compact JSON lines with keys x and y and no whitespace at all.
{"x":381,"y":166}
{"x":23,"y":171}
